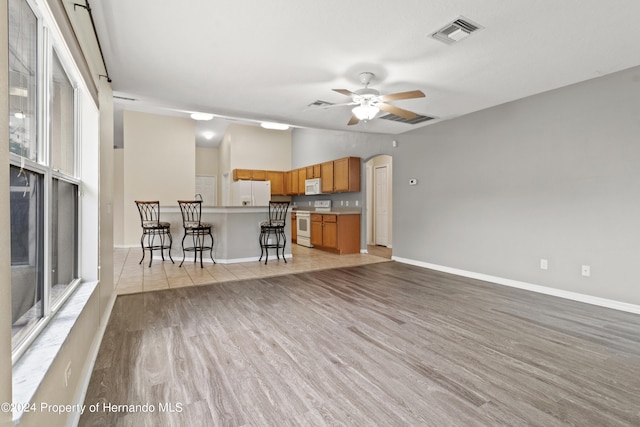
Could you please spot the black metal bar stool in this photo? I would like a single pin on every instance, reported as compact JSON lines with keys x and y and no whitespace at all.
{"x":152,"y":229}
{"x":272,"y":230}
{"x":191,"y":214}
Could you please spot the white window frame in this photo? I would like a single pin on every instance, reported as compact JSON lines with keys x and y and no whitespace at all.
{"x":47,"y":43}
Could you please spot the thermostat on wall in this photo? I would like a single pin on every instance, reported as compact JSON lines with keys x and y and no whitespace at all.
{"x":413,"y":181}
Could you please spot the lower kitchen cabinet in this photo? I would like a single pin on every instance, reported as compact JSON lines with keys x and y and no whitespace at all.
{"x":294,"y":228}
{"x":336,"y":233}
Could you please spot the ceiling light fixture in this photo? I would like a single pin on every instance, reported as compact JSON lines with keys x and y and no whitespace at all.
{"x":208,"y":135}
{"x":201,"y":116}
{"x":275,"y":126}
{"x":365,"y":112}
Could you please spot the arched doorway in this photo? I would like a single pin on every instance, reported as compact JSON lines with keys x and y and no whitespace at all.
{"x":379,"y":205}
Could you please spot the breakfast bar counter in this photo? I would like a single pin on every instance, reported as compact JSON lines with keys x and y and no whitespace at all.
{"x":235,"y":232}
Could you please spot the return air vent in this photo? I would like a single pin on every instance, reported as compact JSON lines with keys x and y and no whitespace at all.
{"x":417,"y":119}
{"x":124,"y":98}
{"x":457,"y":30}
{"x":320,"y":103}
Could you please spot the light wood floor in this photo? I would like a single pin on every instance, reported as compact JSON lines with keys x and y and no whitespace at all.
{"x":383,"y":344}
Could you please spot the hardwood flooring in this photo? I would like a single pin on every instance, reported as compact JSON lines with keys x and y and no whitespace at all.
{"x":384,"y":344}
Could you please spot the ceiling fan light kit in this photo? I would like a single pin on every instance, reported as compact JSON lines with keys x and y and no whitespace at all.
{"x":365,"y":112}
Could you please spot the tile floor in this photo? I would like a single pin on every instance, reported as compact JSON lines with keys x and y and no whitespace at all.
{"x":131,"y":277}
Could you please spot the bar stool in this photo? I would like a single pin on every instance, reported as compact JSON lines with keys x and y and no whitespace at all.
{"x":153,"y":228}
{"x":272,"y":230}
{"x":191,"y":214}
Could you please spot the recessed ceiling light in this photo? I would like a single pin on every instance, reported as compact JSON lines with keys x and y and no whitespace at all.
{"x":208,"y":135}
{"x":276,"y":126}
{"x":201,"y":116}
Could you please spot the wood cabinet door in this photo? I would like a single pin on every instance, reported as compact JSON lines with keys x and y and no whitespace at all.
{"x":259,"y":175}
{"x":294,"y":228}
{"x":329,"y":231}
{"x":316,"y":230}
{"x":341,"y":175}
{"x":326,"y":173}
{"x":277,"y":182}
{"x":295,"y":187}
{"x":302,"y":175}
{"x":241,"y":174}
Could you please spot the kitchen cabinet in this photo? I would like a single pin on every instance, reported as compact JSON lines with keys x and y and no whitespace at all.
{"x":250,"y":174}
{"x":313,"y":171}
{"x":346,"y":175}
{"x":326,"y":173}
{"x":341,"y":175}
{"x":294,"y":228}
{"x":295,"y":188}
{"x":277,"y":182}
{"x":336,"y":233}
{"x":302,"y":175}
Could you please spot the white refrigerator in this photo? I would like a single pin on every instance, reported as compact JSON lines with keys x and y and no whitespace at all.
{"x":250,"y":193}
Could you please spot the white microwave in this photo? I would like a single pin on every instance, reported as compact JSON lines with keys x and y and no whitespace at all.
{"x":312,"y":186}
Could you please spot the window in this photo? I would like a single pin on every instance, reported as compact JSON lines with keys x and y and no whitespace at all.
{"x":44,"y":181}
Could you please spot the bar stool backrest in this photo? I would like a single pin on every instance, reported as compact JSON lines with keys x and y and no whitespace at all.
{"x":149,"y":213}
{"x":191,"y":212}
{"x":278,"y":213}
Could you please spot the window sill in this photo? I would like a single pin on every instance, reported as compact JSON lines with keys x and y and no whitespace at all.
{"x":30,"y":370}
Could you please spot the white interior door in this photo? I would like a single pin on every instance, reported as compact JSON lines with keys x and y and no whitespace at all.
{"x":381,"y":205}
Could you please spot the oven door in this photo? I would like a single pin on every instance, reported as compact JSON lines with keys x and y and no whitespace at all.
{"x":303,"y":229}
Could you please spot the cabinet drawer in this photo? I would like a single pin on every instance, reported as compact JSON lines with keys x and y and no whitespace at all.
{"x":316,"y":217}
{"x":329,"y":218}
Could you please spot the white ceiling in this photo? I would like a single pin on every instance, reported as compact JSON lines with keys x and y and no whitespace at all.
{"x":268,"y":60}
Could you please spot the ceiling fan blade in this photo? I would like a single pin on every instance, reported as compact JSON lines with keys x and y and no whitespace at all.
{"x":344,"y":92}
{"x":324,"y":107}
{"x":402,"y":95}
{"x":397,"y":111}
{"x":354,"y":120}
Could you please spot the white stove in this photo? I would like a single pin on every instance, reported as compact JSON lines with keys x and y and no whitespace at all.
{"x":303,"y":222}
{"x":303,"y":227}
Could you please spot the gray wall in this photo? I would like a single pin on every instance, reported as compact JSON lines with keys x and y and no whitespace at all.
{"x":553,"y":176}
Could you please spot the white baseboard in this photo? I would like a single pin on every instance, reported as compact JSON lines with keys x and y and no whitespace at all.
{"x":575,"y":296}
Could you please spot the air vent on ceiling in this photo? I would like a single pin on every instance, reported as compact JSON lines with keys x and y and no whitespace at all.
{"x":124,"y":98}
{"x":320,"y":103}
{"x":457,"y":30}
{"x":417,"y":119}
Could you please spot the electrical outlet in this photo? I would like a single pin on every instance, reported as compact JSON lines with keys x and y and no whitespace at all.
{"x":347,"y":203}
{"x":586,"y":270}
{"x":357,"y":203}
{"x":544,"y":264}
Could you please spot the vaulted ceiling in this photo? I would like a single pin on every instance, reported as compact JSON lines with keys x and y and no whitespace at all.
{"x":269,"y":60}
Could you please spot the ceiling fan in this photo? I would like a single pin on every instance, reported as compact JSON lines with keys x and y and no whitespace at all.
{"x":369,"y":101}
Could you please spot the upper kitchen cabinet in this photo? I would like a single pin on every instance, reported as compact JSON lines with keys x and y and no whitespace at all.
{"x":341,"y":176}
{"x":250,"y":174}
{"x":313,"y":171}
{"x":291,"y":182}
{"x":302,"y":176}
{"x":277,"y":182}
{"x":326,"y":173}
